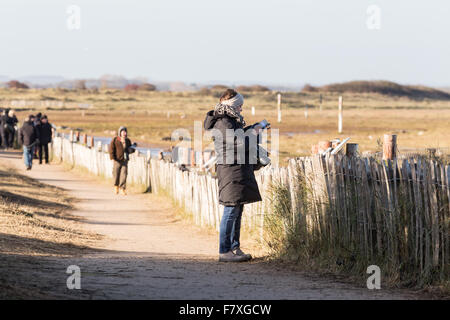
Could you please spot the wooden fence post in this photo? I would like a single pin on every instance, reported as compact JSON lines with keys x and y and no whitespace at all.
{"x":431,"y":152}
{"x":314,"y":149}
{"x":335,"y":143}
{"x":351,"y":149}
{"x":192,"y":157}
{"x":389,"y":147}
{"x":279,"y":107}
{"x":340,"y":116}
{"x":91,"y":142}
{"x":71,"y":136}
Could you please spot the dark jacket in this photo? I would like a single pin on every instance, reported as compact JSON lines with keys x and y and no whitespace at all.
{"x":237,"y":183}
{"x":28,"y":134}
{"x":3,"y":122}
{"x":116,"y":150}
{"x":45,"y":133}
{"x":12,"y":120}
{"x":8,"y":123}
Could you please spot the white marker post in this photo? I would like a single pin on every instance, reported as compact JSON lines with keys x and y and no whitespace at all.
{"x":253,"y":111}
{"x":340,"y":116}
{"x":279,"y":107}
{"x":306,"y":111}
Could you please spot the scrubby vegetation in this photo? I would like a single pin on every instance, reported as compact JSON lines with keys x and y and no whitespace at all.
{"x":381,"y":87}
{"x":34,"y":223}
{"x":14,"y":84}
{"x":348,"y":230}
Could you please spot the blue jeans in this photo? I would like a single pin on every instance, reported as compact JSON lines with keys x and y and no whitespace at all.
{"x":230,"y":228}
{"x":28,"y":156}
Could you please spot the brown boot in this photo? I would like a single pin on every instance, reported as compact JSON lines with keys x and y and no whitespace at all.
{"x":123,"y":191}
{"x":116,"y":189}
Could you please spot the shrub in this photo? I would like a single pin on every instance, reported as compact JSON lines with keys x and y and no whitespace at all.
{"x":204,"y":91}
{"x":80,"y":85}
{"x":131,"y":87}
{"x":253,"y":88}
{"x":14,"y":84}
{"x":309,"y":88}
{"x":219,"y":87}
{"x":147,"y":87}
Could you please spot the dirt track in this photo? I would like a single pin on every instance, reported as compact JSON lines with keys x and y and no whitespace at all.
{"x":150,"y":254}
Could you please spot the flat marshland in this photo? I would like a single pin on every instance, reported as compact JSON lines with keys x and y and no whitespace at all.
{"x":152,"y":116}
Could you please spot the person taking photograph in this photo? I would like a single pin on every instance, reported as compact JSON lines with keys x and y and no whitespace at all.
{"x":235,"y":173}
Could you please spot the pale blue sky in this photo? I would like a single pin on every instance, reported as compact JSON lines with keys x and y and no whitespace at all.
{"x":273,"y":41}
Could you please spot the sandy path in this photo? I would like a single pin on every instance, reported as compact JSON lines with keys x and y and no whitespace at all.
{"x":150,"y":254}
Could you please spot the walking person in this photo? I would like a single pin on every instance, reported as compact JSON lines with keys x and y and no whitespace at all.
{"x":28,"y":137}
{"x":120,"y":149}
{"x":3,"y":128}
{"x":11,"y":125}
{"x":237,"y":183}
{"x":37,"y":119}
{"x":44,"y":129}
{"x":2,"y":113}
{"x":37,"y":123}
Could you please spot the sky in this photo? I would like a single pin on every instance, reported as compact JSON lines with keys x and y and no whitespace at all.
{"x":265,"y":41}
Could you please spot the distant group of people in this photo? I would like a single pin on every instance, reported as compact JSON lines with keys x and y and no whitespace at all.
{"x":35,"y":135}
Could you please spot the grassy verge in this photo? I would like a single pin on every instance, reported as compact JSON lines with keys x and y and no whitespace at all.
{"x":37,"y":215}
{"x":35,"y":225}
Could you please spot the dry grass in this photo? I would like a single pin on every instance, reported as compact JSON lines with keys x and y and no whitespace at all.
{"x":34,"y":219}
{"x":151,"y":117}
{"x":36,"y":234}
